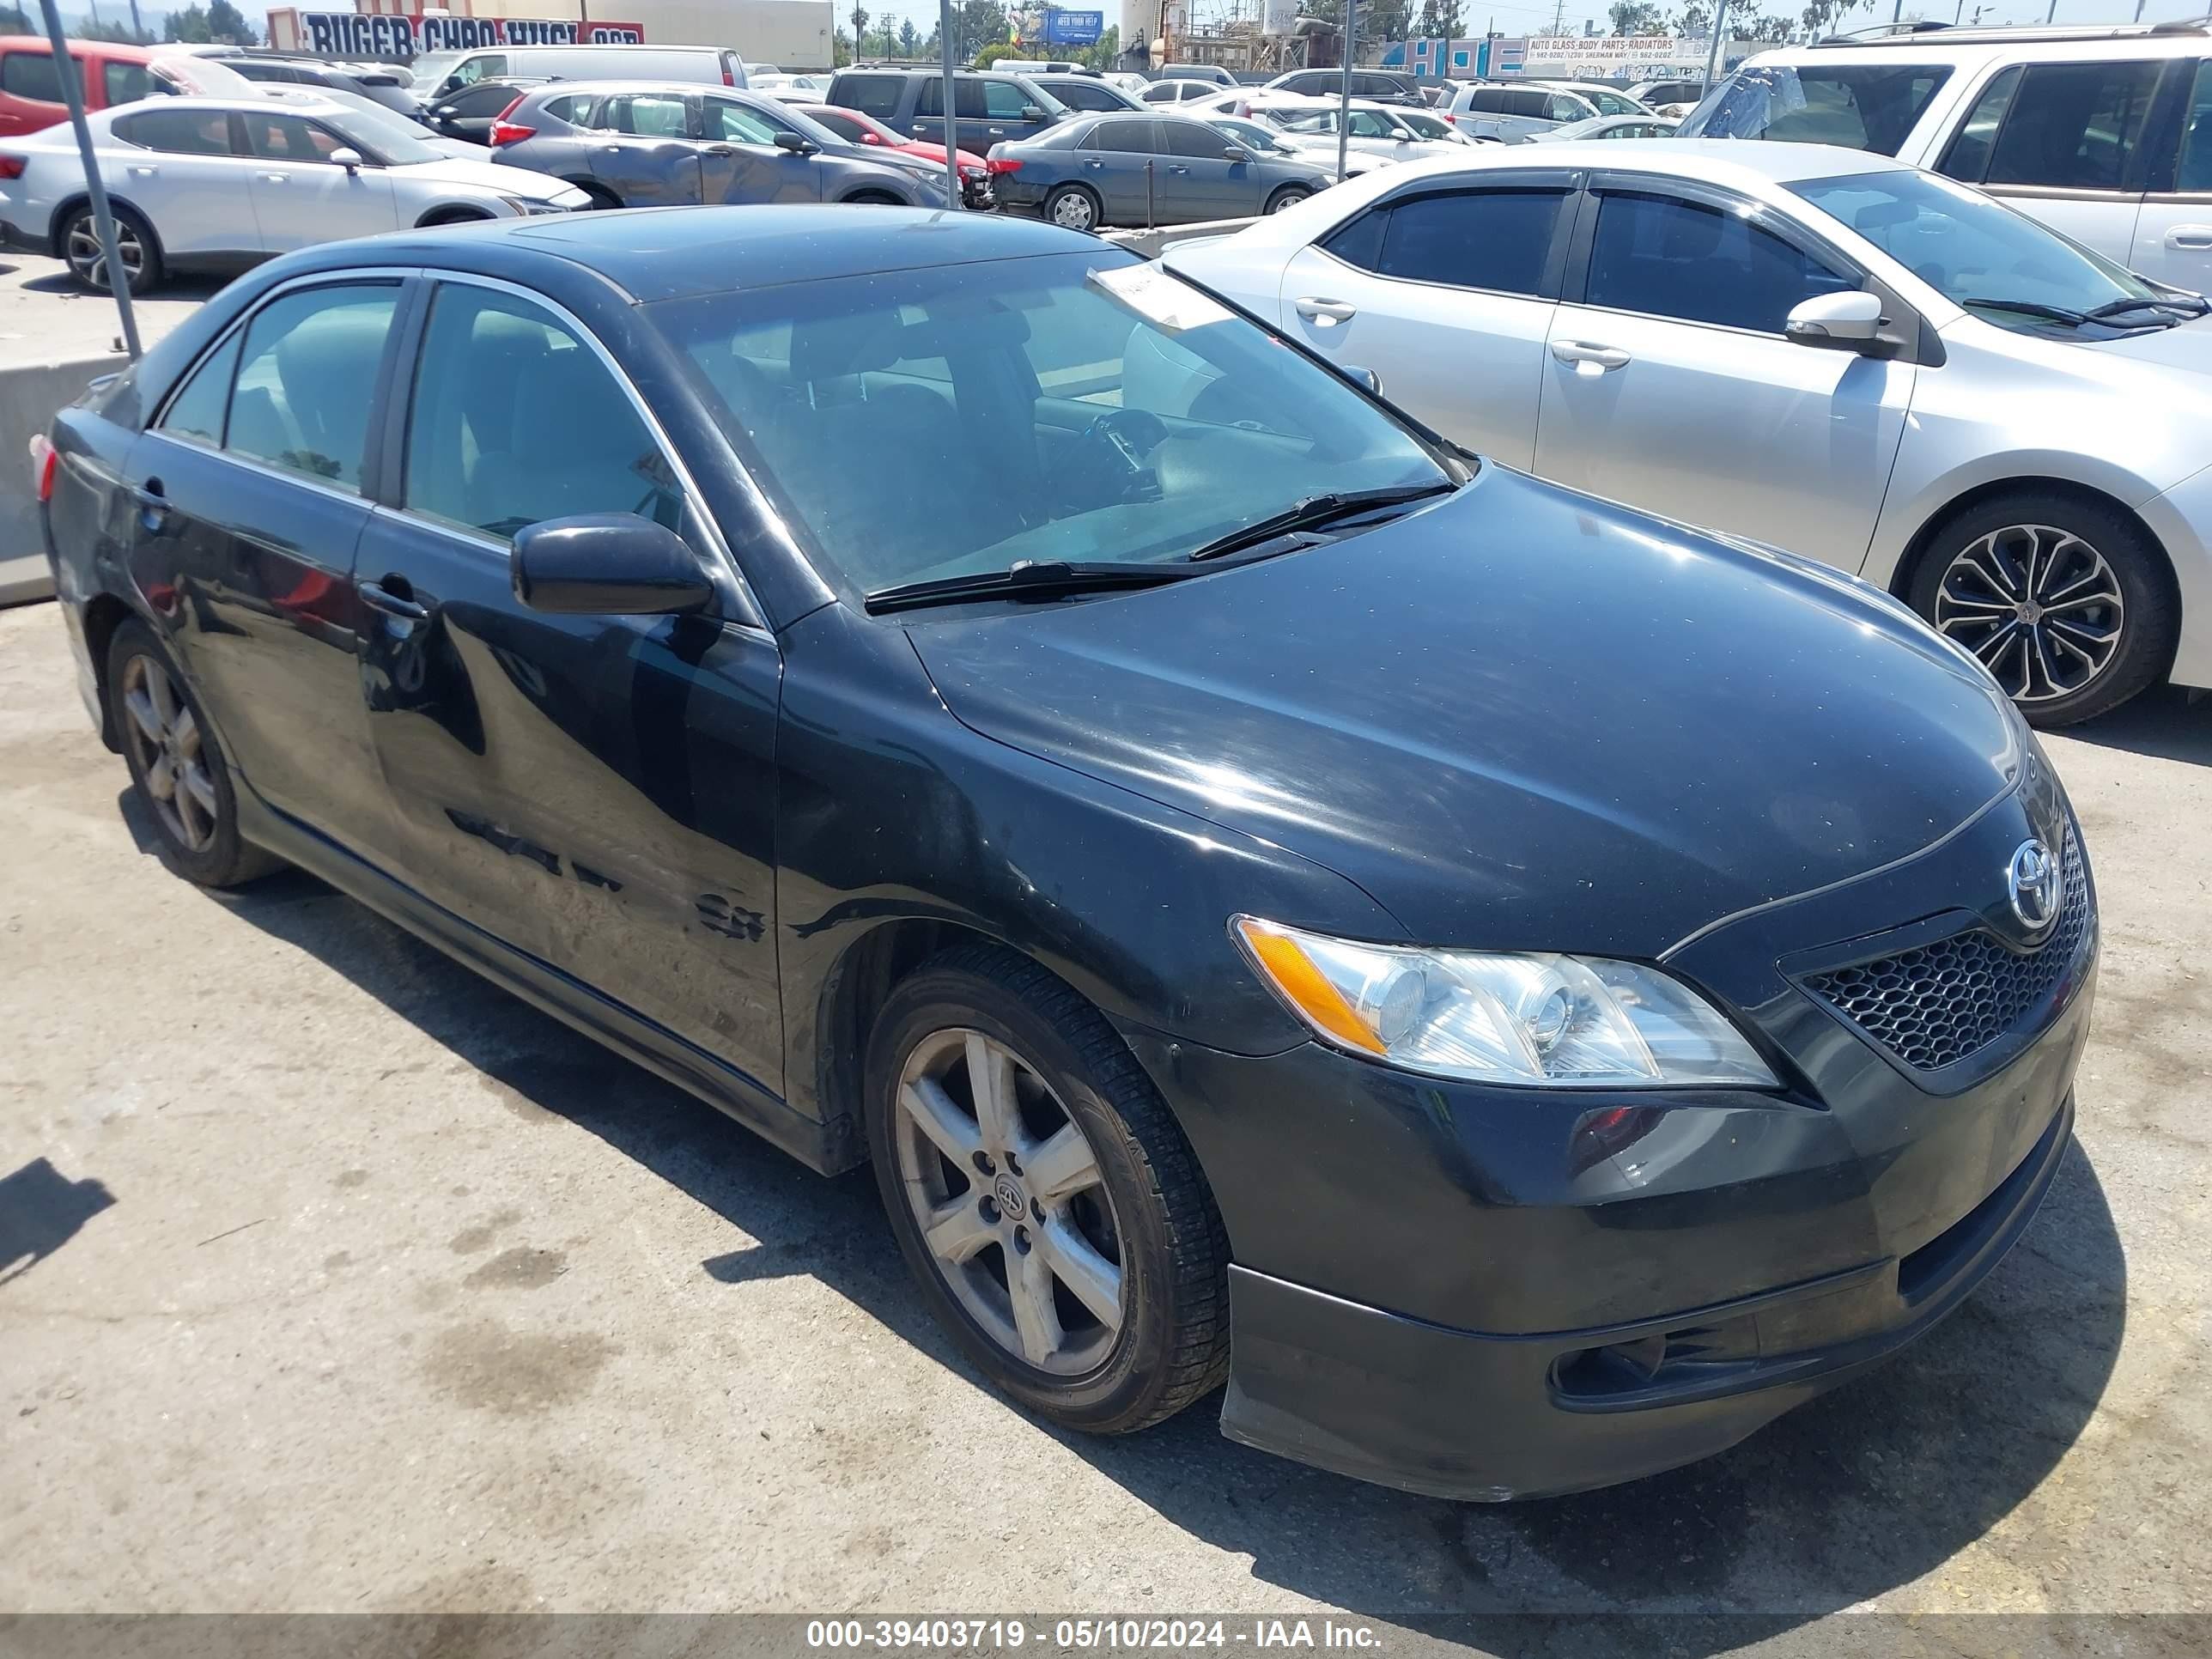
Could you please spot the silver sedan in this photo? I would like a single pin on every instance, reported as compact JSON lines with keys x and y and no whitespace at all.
{"x":1828,"y":351}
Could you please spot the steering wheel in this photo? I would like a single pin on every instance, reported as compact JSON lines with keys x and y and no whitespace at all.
{"x":1108,"y":464}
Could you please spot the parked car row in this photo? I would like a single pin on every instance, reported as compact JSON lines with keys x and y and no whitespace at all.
{"x":1519,"y":990}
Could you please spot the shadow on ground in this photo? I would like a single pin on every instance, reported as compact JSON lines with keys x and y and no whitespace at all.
{"x":174,"y":287}
{"x":41,"y":1209}
{"x":1864,"y":1489}
{"x":2166,"y":722}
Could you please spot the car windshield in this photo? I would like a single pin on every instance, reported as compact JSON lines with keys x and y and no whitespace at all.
{"x":1428,"y":126}
{"x":392,"y":138}
{"x":433,"y":67}
{"x":1611,"y":103}
{"x":1252,"y":135}
{"x":1090,"y":406}
{"x":1859,"y":105}
{"x":1984,"y":256}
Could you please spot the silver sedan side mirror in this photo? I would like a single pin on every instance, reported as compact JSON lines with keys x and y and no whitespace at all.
{"x":1847,"y":321}
{"x":349,"y":158}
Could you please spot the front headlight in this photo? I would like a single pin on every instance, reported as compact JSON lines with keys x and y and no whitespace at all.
{"x":1562,"y":1021}
{"x":522,"y":208}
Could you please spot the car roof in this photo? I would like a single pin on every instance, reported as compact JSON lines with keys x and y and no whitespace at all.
{"x":1968,"y":45}
{"x":682,"y":253}
{"x":1717,"y":161}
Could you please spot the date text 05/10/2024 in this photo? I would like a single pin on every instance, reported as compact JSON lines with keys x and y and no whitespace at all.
{"x":894,"y":1635}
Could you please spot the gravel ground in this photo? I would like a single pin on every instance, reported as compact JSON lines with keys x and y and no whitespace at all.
{"x":332,"y":1279}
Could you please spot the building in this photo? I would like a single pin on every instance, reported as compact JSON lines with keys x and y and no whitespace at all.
{"x":792,"y":35}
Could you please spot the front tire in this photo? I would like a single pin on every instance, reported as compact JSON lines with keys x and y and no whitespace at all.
{"x":1288,"y":196}
{"x":1043,"y":1195}
{"x":1071,"y":207}
{"x":177,"y":771}
{"x":2067,"y":602}
{"x":79,"y":242}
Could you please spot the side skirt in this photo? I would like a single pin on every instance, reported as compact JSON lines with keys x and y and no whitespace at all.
{"x":567,"y":998}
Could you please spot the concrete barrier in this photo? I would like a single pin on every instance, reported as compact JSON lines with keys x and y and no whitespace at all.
{"x":1150,"y":242}
{"x":29,"y":395}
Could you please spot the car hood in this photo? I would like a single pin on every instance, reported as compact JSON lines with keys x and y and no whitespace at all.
{"x":2186,"y":348}
{"x":1521,"y":717}
{"x":498,"y":177}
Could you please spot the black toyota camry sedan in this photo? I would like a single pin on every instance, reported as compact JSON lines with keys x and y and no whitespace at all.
{"x":1522,"y":991}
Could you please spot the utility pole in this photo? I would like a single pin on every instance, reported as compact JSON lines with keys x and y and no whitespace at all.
{"x":1344,"y":106}
{"x":103,"y":216}
{"x":1560,"y":17}
{"x":951,"y":123}
{"x":137,"y":28}
{"x":1713,"y":51}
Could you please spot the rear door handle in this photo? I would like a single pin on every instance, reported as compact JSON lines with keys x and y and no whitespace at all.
{"x":1574,"y":353}
{"x":719,"y":149}
{"x":276,"y":178}
{"x":140,"y":170}
{"x":1327,"y":312}
{"x":1094,"y":163}
{"x":996,"y":132}
{"x":2190,"y":236}
{"x":377,"y":597}
{"x":151,"y":502}
{"x":1177,"y":168}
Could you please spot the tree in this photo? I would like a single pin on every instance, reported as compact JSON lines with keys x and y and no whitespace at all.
{"x":977,"y":24}
{"x":1772,"y":27}
{"x":123,"y":34}
{"x":910,"y":39}
{"x":1819,"y":14}
{"x":986,"y":56}
{"x":859,"y":31}
{"x":1693,"y":20}
{"x":14,"y":21}
{"x":1633,"y":17}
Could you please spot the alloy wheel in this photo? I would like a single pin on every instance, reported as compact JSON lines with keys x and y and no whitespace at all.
{"x":1073,"y":211}
{"x":2040,"y":607}
{"x":90,"y":263}
{"x":165,"y":742}
{"x":1010,"y":1201}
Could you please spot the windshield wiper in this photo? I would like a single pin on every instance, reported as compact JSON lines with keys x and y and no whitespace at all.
{"x":2191,"y":303}
{"x":1315,"y":510}
{"x":2108,"y":315}
{"x":1031,"y":579}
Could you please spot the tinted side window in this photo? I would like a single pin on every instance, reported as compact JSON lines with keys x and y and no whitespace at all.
{"x":740,"y":125}
{"x":488,"y":97}
{"x":576,"y":107}
{"x":1675,"y":259}
{"x":288,"y":139}
{"x":1360,"y":242}
{"x":2074,"y":125}
{"x":1489,"y":99}
{"x":1968,"y":156}
{"x":31,"y":75}
{"x":515,"y":419}
{"x":2195,"y":172}
{"x":1002,"y":100}
{"x":197,"y":411}
{"x":124,"y":83}
{"x":1563,"y":107}
{"x":1131,"y":137}
{"x":967,"y":100}
{"x":1191,"y":138}
{"x":177,"y":132}
{"x":307,"y":379}
{"x":870,"y":94}
{"x":1529,"y":103}
{"x":1482,"y":238}
{"x":648,"y":115}
{"x":1085,"y":94}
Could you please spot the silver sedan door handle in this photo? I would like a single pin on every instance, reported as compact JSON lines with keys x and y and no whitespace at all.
{"x":2190,"y":236}
{"x":1327,"y":312}
{"x":1576,"y":352}
{"x":140,"y":170}
{"x":276,"y":178}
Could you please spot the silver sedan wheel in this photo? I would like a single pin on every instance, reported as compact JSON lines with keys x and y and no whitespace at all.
{"x":90,"y":263}
{"x":165,"y":741}
{"x":1074,"y":211}
{"x":1011,"y":1203}
{"x":2038,"y":605}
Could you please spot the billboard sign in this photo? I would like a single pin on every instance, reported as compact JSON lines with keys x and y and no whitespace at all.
{"x":399,"y":38}
{"x":1073,"y":28}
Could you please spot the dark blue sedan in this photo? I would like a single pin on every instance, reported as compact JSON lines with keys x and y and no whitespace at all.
{"x":1522,"y":991}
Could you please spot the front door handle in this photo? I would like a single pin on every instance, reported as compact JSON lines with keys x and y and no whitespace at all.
{"x":2190,"y":236}
{"x":153,"y":505}
{"x":140,"y":170}
{"x":1327,"y":312}
{"x":1094,"y":164}
{"x":1575,"y":353}
{"x":1176,"y":166}
{"x":377,"y":597}
{"x":276,"y":178}
{"x":996,"y":132}
{"x":719,"y":149}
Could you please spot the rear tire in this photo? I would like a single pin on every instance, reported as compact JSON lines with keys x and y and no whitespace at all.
{"x":78,"y":243}
{"x":2067,"y":602}
{"x":178,"y":770}
{"x":1072,"y":207}
{"x":1288,"y":196}
{"x":1070,"y":1244}
{"x":602,"y":197}
{"x":874,"y":198}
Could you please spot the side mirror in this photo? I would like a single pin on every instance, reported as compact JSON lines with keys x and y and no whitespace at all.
{"x":1366,"y":377}
{"x":1403,"y":137}
{"x":1237,"y":153}
{"x":1847,"y":321}
{"x":797,"y":142}
{"x":348,"y":158}
{"x":870,"y":138}
{"x":606,"y":564}
{"x":445,"y":112}
{"x":1031,"y":113}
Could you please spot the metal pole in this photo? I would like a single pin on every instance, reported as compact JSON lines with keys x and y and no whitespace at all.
{"x":1713,"y":51}
{"x":951,"y":127}
{"x":103,"y":216}
{"x":137,"y":28}
{"x":2051,"y":16}
{"x":1344,"y":114}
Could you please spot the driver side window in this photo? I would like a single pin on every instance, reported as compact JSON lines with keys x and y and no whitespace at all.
{"x":1669,"y":258}
{"x":737,"y":124}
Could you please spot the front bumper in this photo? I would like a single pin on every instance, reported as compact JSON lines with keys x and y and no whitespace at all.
{"x":2181,"y":519}
{"x":1485,"y":1292}
{"x":15,"y":239}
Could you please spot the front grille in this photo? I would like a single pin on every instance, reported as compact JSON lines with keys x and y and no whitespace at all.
{"x":1938,"y":1003}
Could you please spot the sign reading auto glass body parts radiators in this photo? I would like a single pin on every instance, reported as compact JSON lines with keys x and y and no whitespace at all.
{"x":1159,"y":299}
{"x":397,"y":38}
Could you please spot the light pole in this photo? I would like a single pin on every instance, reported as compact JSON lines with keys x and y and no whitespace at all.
{"x":1344,"y":112}
{"x":952,"y":126}
{"x":102,"y":214}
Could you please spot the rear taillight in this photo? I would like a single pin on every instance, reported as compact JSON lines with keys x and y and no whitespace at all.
{"x":11,"y":167}
{"x":998,"y":166}
{"x":1449,"y":116}
{"x":43,"y":458}
{"x":504,"y":131}
{"x":728,"y":79}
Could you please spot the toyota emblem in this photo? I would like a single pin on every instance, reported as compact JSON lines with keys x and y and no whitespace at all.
{"x":2033,"y":882}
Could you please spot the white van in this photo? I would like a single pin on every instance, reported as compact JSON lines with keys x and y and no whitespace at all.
{"x":2103,"y":134}
{"x":440,"y":73}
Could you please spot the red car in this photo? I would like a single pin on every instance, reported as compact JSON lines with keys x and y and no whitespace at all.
{"x":856,"y":128}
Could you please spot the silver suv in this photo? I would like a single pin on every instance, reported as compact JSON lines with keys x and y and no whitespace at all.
{"x":1509,"y":114}
{"x":2105,"y":134}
